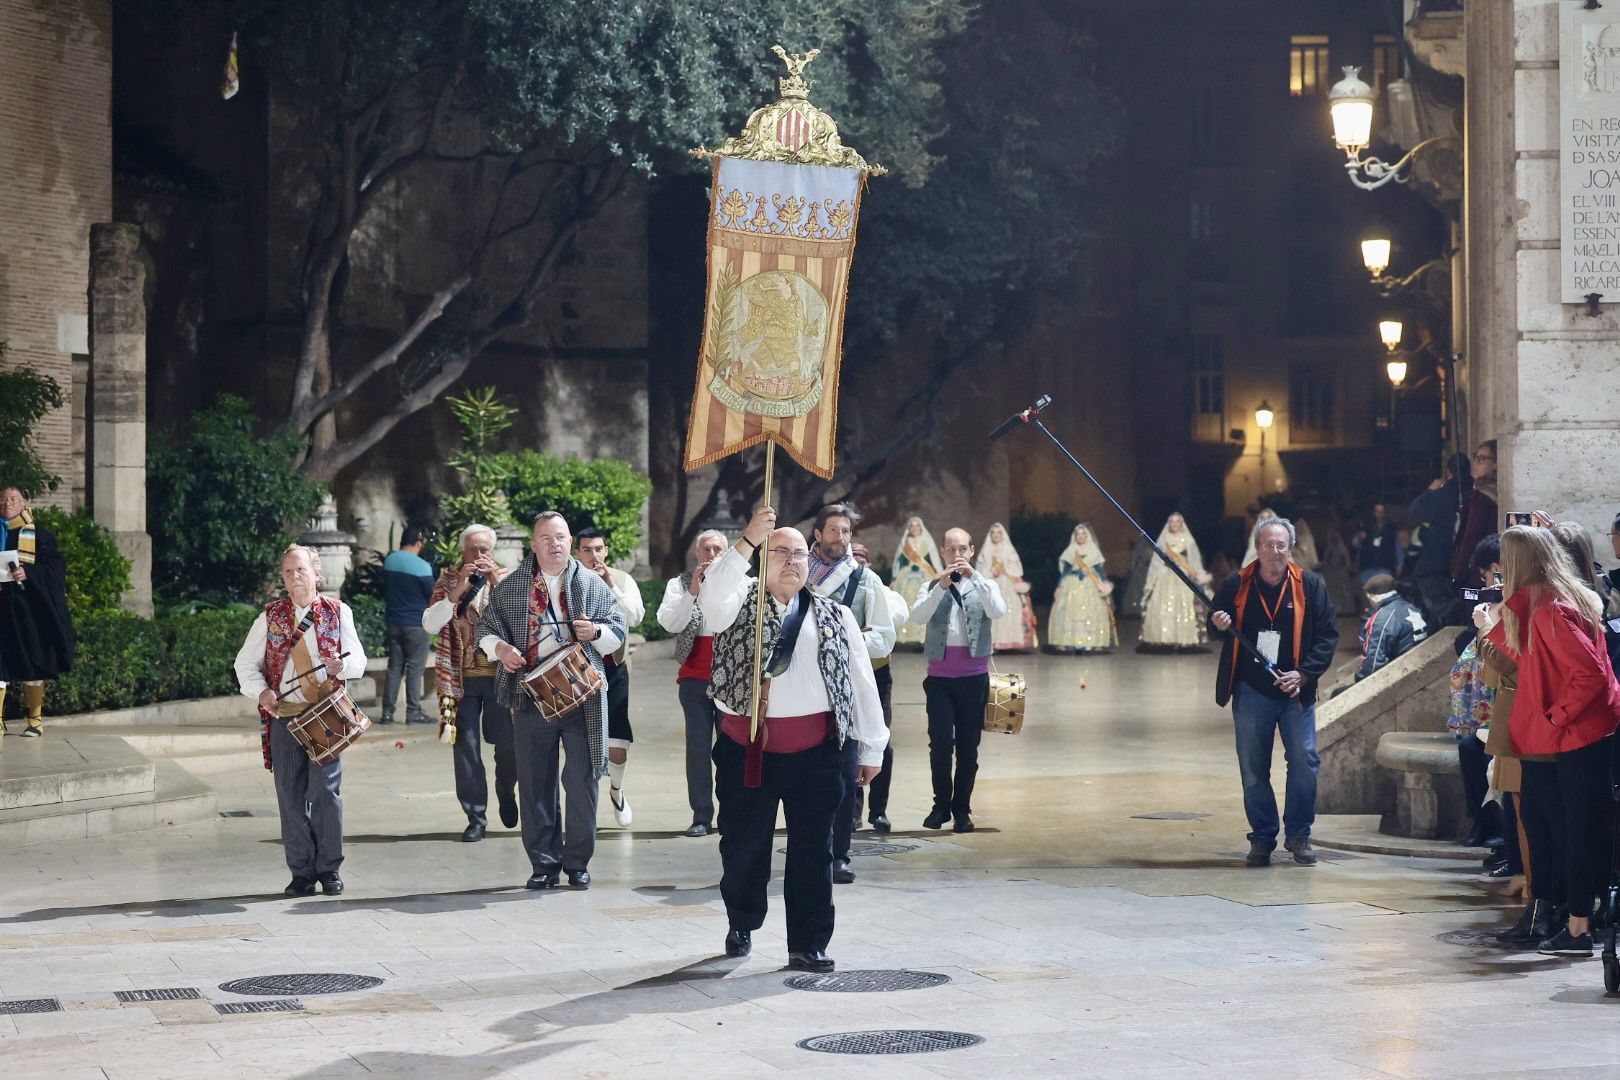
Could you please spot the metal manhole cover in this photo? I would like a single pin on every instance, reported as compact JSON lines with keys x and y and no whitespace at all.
{"x":178,"y":993}
{"x":299,"y":985}
{"x":1171,"y":815}
{"x":871,"y":848}
{"x":30,"y":1005}
{"x":236,"y":1008}
{"x":897,"y":1041}
{"x":866,"y":982}
{"x":1480,"y":939}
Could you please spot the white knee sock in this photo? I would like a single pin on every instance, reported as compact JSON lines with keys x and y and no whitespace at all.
{"x":616,"y":774}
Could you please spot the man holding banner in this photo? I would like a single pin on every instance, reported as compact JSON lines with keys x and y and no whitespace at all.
{"x":822,"y":721}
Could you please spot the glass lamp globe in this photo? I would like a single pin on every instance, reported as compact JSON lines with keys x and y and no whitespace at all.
{"x":1397,"y":372}
{"x":1350,"y":103}
{"x":1375,"y":255}
{"x":1263,"y":416}
{"x":1390,"y":332}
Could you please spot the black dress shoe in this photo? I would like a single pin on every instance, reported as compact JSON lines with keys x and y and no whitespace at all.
{"x":937,"y":819}
{"x":509,"y":808}
{"x":300,"y":886}
{"x":739,"y":943}
{"x":842,"y":874}
{"x":544,"y":879}
{"x":815,"y":961}
{"x":964,"y":823}
{"x":578,"y":879}
{"x":473,"y":833}
{"x":698,"y":828}
{"x":880,"y":824}
{"x":331,"y":884}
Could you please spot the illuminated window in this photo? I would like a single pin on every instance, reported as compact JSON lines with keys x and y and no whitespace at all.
{"x":1386,"y":57}
{"x":1307,"y":65}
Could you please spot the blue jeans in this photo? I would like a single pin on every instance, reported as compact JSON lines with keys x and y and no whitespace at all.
{"x":1258,"y":718}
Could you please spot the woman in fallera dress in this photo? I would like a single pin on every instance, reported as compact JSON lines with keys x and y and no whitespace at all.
{"x":1082,"y":615}
{"x":1171,"y":617}
{"x":998,"y":560}
{"x":916,"y":563}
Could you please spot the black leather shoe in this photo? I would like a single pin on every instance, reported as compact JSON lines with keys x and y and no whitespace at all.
{"x":509,"y":809}
{"x":578,"y":879}
{"x":331,"y":884}
{"x":698,"y":828}
{"x":299,"y":886}
{"x":964,"y":823}
{"x":473,"y":833}
{"x":1260,"y":853}
{"x":817,"y":961}
{"x":739,"y":943}
{"x":880,"y":824}
{"x":842,"y":874}
{"x":937,"y":819}
{"x":545,"y":879}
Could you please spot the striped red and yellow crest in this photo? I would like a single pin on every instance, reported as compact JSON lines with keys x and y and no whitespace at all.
{"x":781,"y":237}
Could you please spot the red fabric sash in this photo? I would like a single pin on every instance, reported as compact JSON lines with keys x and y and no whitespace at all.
{"x":783,"y":734}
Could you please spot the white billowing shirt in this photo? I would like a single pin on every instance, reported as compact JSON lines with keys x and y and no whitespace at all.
{"x":606,"y":643}
{"x":249,"y":664}
{"x":800,"y":690}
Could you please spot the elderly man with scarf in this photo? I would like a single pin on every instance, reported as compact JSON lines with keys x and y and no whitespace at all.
{"x":822,"y":723}
{"x":835,"y":574}
{"x":468,"y":709}
{"x":36,"y":631}
{"x":1284,"y":612}
{"x":548,"y":603}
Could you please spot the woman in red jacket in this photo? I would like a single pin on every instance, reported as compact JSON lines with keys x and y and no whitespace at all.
{"x":1568,"y":704}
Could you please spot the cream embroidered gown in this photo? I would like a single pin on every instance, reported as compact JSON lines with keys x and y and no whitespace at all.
{"x":1170,"y":614}
{"x":999,"y":561}
{"x":1082,"y":618}
{"x":916,"y":563}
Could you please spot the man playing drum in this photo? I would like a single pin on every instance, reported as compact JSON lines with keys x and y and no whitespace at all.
{"x":547,"y":608}
{"x":824,"y":723}
{"x":302,"y":645}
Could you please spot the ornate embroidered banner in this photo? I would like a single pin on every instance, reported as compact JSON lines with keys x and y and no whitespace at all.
{"x":783,"y":207}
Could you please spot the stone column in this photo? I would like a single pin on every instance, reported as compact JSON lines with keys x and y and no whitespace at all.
{"x":117,"y":449}
{"x":1558,"y":394}
{"x":333,"y":545}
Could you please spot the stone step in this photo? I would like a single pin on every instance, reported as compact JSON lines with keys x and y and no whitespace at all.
{"x":169,"y":740}
{"x":67,"y":767}
{"x":176,"y":798}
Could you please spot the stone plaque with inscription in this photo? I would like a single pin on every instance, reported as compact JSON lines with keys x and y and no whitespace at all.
{"x":1589,"y":151}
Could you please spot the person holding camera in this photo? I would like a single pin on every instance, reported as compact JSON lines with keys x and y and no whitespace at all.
{"x":468,"y":709}
{"x":957,"y":611}
{"x":1567,"y":704}
{"x":1284,"y":612}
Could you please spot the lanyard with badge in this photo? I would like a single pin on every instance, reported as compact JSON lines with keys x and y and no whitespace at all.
{"x":1269,"y":642}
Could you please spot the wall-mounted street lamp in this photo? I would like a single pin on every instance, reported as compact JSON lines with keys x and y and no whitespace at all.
{"x":1375,"y":256}
{"x":1350,"y":104}
{"x":1390,"y":332}
{"x":1263,"y":418}
{"x":1396,"y":370}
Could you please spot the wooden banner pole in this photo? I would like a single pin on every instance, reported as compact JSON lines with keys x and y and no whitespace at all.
{"x":761,"y":599}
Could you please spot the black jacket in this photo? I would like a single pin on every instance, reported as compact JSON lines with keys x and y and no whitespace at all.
{"x":1316,"y":646}
{"x":1394,"y":630}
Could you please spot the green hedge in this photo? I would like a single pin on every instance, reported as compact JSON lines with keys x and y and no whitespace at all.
{"x":370,"y":622}
{"x":97,"y":573}
{"x":125,"y":660}
{"x":652,"y":594}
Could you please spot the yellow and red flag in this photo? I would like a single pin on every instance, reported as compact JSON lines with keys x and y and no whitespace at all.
{"x":784,"y":202}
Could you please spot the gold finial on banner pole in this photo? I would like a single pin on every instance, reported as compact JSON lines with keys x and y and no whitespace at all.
{"x":761,"y":598}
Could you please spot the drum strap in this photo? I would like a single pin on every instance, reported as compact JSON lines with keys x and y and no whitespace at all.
{"x":782,"y":652}
{"x":302,"y":661}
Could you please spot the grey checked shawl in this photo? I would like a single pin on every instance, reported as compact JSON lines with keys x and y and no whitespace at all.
{"x":733,"y":677}
{"x":689,"y":633}
{"x":507,"y":617}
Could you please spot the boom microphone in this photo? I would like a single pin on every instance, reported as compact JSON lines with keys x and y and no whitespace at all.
{"x":1020,"y":417}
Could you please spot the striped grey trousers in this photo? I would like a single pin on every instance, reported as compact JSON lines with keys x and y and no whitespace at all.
{"x":311,"y":808}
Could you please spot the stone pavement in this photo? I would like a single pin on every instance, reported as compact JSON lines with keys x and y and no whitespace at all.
{"x":1099,"y":924}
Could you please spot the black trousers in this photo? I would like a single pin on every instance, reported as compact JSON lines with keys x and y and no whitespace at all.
{"x":955,"y":724}
{"x":1588,"y":818}
{"x":480,"y":718}
{"x":1474,"y":761}
{"x":807,"y":786}
{"x":1541,"y":808}
{"x":618,"y":703}
{"x":702,"y":728}
{"x":849,"y":811}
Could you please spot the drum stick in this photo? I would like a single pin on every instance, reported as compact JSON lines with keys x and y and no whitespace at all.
{"x":300,"y":676}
